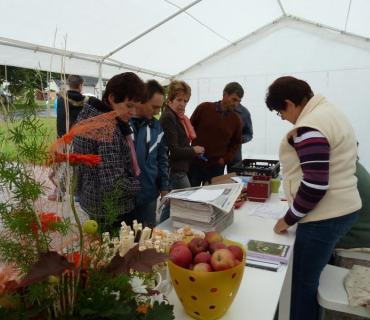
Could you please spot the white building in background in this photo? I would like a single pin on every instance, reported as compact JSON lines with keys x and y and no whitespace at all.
{"x":90,"y":86}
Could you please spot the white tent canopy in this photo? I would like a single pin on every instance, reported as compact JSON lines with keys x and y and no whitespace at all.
{"x":207,"y":43}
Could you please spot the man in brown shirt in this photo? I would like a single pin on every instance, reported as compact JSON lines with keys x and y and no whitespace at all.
{"x":218,"y":130}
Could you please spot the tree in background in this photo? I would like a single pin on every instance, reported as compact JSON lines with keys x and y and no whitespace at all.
{"x":20,"y":77}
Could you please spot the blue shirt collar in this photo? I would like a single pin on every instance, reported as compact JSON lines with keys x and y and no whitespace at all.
{"x":218,"y":107}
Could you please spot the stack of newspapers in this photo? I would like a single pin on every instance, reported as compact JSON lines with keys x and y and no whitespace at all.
{"x":207,"y":208}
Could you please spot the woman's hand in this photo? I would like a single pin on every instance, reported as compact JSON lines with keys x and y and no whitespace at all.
{"x":281,"y":226}
{"x":198,"y":150}
{"x":163,"y":194}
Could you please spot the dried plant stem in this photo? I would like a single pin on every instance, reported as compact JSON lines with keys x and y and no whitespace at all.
{"x":63,"y":295}
{"x":74,"y":291}
{"x":74,"y":287}
{"x":76,"y":216}
{"x":56,"y":304}
{"x":69,"y":285}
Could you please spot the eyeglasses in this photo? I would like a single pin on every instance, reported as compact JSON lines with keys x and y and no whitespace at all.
{"x":278,"y":113}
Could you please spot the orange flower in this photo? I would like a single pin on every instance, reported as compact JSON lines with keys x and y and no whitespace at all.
{"x":75,"y":258}
{"x":46,"y":219}
{"x":142,"y":308}
{"x":88,"y":159}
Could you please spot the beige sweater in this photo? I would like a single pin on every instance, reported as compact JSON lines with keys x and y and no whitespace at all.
{"x":342,"y":196}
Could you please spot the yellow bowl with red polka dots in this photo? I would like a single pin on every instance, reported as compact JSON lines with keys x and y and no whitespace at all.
{"x":207,"y":295}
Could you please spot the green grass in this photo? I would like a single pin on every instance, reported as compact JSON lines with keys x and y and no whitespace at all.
{"x":22,"y":106}
{"x":8,"y":148}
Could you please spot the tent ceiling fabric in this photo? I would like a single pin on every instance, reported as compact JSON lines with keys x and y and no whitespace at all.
{"x":96,"y":28}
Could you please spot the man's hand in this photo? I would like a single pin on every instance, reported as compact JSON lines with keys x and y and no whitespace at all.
{"x":221,"y":162}
{"x":281,"y":226}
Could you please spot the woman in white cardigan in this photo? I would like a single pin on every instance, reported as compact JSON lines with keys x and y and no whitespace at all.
{"x":318,"y":156}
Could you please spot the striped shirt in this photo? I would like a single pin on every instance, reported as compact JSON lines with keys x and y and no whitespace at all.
{"x":313,"y":150}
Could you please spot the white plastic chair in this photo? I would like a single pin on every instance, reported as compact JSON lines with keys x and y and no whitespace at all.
{"x":332,"y":294}
{"x":340,"y":254}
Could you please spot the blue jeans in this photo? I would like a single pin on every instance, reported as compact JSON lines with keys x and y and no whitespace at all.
{"x":178,"y":180}
{"x":146,"y":213}
{"x":314,"y":245}
{"x":199,"y":175}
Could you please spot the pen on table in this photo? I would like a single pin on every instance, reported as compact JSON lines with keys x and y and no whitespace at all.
{"x":202,"y":158}
{"x":261,"y":267}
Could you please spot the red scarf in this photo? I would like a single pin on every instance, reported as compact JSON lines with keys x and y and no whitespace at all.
{"x":189,"y":129}
{"x":133,"y":155}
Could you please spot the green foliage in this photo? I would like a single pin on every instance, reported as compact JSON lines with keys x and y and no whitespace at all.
{"x":19,"y":78}
{"x":103,"y":305}
{"x":47,"y":129}
{"x":110,"y":209}
{"x":160,"y":312}
{"x":86,"y":286}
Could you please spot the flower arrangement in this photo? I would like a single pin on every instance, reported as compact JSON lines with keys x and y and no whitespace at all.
{"x":49,"y":267}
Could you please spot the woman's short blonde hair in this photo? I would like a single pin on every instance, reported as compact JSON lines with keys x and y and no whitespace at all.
{"x":176,"y":88}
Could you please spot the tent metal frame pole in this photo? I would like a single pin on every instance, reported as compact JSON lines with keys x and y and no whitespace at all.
{"x":320,"y":25}
{"x":100,"y":79}
{"x":116,"y":63}
{"x":264,"y":27}
{"x":349,"y":10}
{"x":44,"y":49}
{"x":151,"y":29}
{"x":282,"y":7}
{"x":79,"y":56}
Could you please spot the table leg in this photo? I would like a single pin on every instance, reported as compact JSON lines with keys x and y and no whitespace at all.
{"x":284,"y":301}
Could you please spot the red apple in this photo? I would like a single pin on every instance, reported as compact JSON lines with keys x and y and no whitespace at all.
{"x":223,"y":259}
{"x":213,"y":236}
{"x":217,"y":246}
{"x":202,"y":257}
{"x":198,"y":245}
{"x":237,"y":251}
{"x":202,"y":267}
{"x":237,"y":262}
{"x":182,"y":256}
{"x":178,"y":243}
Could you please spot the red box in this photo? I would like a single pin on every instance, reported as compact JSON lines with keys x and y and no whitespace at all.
{"x":259,"y":188}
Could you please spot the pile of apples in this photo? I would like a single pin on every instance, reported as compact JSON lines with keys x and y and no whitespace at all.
{"x":206,"y":255}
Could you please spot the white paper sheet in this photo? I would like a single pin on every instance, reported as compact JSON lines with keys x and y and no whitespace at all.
{"x":270,"y":210}
{"x":240,"y":179}
{"x":281,"y":192}
{"x":206,"y":195}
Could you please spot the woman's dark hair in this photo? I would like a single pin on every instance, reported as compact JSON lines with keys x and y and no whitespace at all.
{"x":287,"y":88}
{"x":126,"y":85}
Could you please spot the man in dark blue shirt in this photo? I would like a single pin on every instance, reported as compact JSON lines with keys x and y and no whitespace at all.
{"x":247,"y":132}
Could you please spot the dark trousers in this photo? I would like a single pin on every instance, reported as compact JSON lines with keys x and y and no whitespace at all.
{"x":178,"y":180}
{"x":199,"y":176}
{"x":147,"y":213}
{"x":315,"y":242}
{"x":230,"y":169}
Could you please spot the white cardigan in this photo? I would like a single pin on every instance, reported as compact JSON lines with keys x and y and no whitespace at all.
{"x":342,"y":196}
